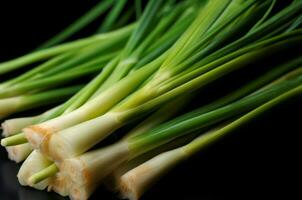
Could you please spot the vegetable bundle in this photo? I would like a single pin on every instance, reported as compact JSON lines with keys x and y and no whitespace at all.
{"x":149,"y":76}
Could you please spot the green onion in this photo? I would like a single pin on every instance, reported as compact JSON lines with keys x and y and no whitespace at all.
{"x":34,"y":163}
{"x":14,"y":126}
{"x":137,"y":78}
{"x":19,"y":153}
{"x":106,"y":39}
{"x":136,"y":181}
{"x":25,"y":102}
{"x":89,"y":168}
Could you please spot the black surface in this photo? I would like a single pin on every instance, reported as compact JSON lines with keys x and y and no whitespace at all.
{"x":259,"y":161}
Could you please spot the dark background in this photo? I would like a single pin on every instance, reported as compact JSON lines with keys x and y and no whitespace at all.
{"x":259,"y":161}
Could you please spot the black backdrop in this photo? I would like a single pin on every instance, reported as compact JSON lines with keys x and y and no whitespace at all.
{"x":259,"y":161}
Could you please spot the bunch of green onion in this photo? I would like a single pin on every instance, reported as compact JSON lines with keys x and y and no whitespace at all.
{"x":144,"y":75}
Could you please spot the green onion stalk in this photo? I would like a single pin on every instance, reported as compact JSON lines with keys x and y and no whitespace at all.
{"x":49,"y":83}
{"x":25,"y":102}
{"x":164,"y":75}
{"x":235,"y":108}
{"x":73,"y":28}
{"x":60,"y":183}
{"x":15,"y":125}
{"x":277,"y":73}
{"x":49,"y":148}
{"x":41,"y":161}
{"x":31,"y":58}
{"x":157,"y":65}
{"x":183,"y":21}
{"x":100,"y":78}
{"x":135,"y":182}
{"x":19,"y":152}
{"x":92,"y":55}
{"x":139,"y":42}
{"x":262,"y":32}
{"x":53,"y":67}
{"x":250,"y":87}
{"x":33,"y":164}
{"x":26,"y":171}
{"x":141,"y":74}
{"x":14,"y":97}
{"x":10,"y":127}
{"x":70,"y":141}
{"x":83,"y":96}
{"x":87,"y":170}
{"x":161,"y":115}
{"x":112,"y":180}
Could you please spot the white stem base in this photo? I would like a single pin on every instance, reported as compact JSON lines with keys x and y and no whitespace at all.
{"x":89,"y":169}
{"x":38,"y":133}
{"x":80,"y":138}
{"x":14,"y":126}
{"x":135,"y":182}
{"x":18,"y":153}
{"x":34,"y":163}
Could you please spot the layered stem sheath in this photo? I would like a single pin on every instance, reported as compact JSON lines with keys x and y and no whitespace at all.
{"x":71,"y":141}
{"x":88,"y":170}
{"x":33,"y":164}
{"x":18,"y":153}
{"x":112,"y":182}
{"x":14,"y":126}
{"x":99,"y":163}
{"x":147,"y":70}
{"x":135,"y":182}
{"x":74,"y":142}
{"x":96,"y":107}
{"x":60,"y":183}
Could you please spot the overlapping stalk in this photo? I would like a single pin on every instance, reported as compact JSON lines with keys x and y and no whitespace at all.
{"x":154,"y":52}
{"x":88,"y":169}
{"x":135,"y":182}
{"x":172,"y":53}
